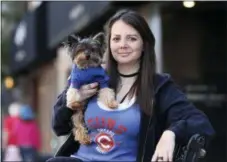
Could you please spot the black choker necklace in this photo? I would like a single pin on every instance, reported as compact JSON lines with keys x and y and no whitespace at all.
{"x":128,"y":75}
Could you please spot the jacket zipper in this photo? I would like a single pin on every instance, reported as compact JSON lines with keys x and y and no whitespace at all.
{"x":143,"y":153}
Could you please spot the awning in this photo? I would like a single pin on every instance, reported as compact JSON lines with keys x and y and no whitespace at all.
{"x":28,"y":41}
{"x":69,"y":17}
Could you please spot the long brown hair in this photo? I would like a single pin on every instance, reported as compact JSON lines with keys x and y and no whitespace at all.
{"x":143,"y":86}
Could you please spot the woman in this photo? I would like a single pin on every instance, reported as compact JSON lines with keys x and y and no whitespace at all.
{"x":152,"y":114}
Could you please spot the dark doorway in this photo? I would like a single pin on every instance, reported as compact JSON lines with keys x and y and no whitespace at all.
{"x":195,"y":54}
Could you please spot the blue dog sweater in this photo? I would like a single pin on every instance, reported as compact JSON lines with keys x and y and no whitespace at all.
{"x":80,"y":77}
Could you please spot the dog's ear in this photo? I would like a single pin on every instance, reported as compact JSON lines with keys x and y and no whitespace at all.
{"x":71,"y":41}
{"x":70,"y":44}
{"x":100,"y":37}
{"x":74,"y":39}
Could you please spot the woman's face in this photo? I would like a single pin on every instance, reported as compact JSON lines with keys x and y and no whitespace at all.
{"x":126,"y":44}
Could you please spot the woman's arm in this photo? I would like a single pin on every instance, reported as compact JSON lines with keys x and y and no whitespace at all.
{"x":183,"y":118}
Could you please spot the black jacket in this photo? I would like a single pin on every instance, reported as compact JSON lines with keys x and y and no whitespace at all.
{"x":173,"y":112}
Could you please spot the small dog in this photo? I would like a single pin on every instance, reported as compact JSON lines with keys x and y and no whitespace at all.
{"x":87,"y":56}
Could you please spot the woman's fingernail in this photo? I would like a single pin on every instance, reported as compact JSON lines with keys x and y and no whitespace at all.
{"x":92,"y":85}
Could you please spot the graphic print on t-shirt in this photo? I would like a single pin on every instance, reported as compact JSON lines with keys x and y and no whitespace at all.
{"x":106,"y":131}
{"x":104,"y":140}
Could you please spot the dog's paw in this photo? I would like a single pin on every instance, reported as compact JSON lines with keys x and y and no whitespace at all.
{"x":107,"y":96}
{"x":112,"y":104}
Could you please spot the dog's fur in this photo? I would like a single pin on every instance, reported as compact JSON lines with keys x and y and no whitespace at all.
{"x":79,"y":49}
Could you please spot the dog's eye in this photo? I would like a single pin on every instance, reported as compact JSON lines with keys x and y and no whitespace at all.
{"x":78,"y":51}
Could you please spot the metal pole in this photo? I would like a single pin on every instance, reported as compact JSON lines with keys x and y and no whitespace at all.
{"x":155,"y":23}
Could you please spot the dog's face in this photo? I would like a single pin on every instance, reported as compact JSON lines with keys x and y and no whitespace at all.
{"x":87,"y":52}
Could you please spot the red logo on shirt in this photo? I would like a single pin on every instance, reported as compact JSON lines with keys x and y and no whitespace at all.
{"x":106,"y":128}
{"x":110,"y":124}
{"x":105,"y":142}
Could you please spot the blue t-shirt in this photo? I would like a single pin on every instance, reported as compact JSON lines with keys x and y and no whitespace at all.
{"x":114,"y":133}
{"x":80,"y":77}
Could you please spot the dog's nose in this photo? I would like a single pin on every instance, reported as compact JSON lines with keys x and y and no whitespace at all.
{"x":87,"y":57}
{"x":87,"y":54}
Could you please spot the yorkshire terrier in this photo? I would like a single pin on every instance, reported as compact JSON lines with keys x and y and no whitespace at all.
{"x":87,"y":56}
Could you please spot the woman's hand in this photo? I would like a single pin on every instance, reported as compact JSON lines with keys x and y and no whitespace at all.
{"x":165,"y":147}
{"x":85,"y":92}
